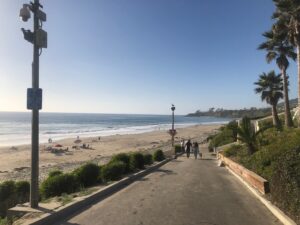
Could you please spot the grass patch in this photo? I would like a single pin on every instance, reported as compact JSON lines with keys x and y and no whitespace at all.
{"x":226,"y":135}
{"x":87,"y":191}
{"x":65,"y":198}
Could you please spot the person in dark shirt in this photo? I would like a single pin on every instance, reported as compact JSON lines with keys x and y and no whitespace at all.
{"x":188,"y":146}
{"x":196,"y":149}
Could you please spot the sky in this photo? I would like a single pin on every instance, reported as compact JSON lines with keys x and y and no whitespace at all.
{"x":139,"y":56}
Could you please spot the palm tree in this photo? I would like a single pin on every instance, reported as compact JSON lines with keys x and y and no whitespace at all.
{"x":287,"y":15}
{"x":278,"y":48}
{"x":247,"y":135}
{"x":270,"y":87}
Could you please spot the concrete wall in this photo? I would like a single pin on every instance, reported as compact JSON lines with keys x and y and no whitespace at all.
{"x":250,"y":177}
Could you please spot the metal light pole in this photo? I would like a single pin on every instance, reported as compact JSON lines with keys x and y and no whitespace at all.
{"x":34,"y":95}
{"x":173,"y":130}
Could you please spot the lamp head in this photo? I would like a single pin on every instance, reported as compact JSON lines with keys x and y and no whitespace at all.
{"x":25,"y":13}
{"x":173,"y":107}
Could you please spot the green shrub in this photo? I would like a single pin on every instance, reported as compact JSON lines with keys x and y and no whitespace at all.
{"x":177,"y":149}
{"x":113,"y":171}
{"x":55,"y":173}
{"x":285,"y":183}
{"x":12,"y":193}
{"x":148,"y":159}
{"x":226,"y":135}
{"x":222,"y":138}
{"x":247,"y":135}
{"x":232,"y":150}
{"x":233,"y":126}
{"x":7,"y":189}
{"x":87,"y":174}
{"x":265,"y":123}
{"x":268,"y":122}
{"x":99,"y":179}
{"x":56,"y":185}
{"x":123,"y":157}
{"x":8,"y":196}
{"x":4,"y":221}
{"x":136,"y":160}
{"x":23,"y":191}
{"x":278,"y":161}
{"x":158,"y":155}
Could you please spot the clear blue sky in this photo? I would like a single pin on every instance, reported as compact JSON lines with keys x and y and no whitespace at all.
{"x":139,"y":56}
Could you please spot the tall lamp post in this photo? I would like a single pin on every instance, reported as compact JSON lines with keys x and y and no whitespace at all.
{"x":172,"y":131}
{"x":34,"y":95}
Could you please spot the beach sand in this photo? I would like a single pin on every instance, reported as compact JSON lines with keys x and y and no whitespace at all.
{"x":15,"y":162}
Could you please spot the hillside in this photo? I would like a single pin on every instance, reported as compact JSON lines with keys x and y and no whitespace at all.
{"x":238,"y":113}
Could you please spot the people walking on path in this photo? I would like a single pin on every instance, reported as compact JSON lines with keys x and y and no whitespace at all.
{"x":196,"y":149}
{"x":188,"y":146}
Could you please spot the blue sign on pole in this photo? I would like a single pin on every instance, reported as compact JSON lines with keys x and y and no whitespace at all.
{"x":34,"y":98}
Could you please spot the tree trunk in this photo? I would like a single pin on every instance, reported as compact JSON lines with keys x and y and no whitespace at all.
{"x":276,"y":121}
{"x":287,"y":113}
{"x":251,"y":149}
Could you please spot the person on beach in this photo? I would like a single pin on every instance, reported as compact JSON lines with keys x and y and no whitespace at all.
{"x":196,"y":149}
{"x":188,"y":146}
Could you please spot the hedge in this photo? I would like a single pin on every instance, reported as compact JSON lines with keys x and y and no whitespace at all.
{"x":148,"y":160}
{"x":55,"y":173}
{"x":278,"y":161}
{"x":285,"y":183}
{"x":23,"y":191}
{"x":57,"y":185}
{"x":177,"y":149}
{"x":87,"y":174}
{"x":123,"y":157}
{"x":158,"y":155}
{"x":12,"y":193}
{"x":113,"y":171}
{"x":136,"y":161}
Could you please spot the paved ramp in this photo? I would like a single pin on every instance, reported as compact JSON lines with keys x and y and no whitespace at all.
{"x":182,"y":192}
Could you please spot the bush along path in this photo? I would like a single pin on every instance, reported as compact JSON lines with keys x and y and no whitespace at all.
{"x":61,"y":184}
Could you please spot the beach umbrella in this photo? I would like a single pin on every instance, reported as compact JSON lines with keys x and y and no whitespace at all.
{"x":58,"y":146}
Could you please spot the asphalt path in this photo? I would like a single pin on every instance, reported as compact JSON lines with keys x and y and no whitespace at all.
{"x":182,"y":192}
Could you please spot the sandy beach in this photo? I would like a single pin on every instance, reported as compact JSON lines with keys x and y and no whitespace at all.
{"x":15,"y":162}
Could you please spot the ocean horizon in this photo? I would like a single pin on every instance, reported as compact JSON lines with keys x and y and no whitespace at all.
{"x":15,"y":127}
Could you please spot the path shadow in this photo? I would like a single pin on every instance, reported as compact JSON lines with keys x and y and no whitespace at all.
{"x":176,"y":161}
{"x":45,"y":210}
{"x":207,"y":159}
{"x":143,"y":179}
{"x":67,"y":223}
{"x":206,"y":223}
{"x":165,"y":172}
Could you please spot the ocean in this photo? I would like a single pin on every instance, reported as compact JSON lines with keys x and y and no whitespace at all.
{"x":15,"y":127}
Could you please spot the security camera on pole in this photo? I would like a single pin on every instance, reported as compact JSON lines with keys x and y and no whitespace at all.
{"x":34,"y":95}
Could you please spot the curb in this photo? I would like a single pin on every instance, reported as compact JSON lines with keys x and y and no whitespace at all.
{"x":253,"y":179}
{"x":281,"y":216}
{"x":71,"y":208}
